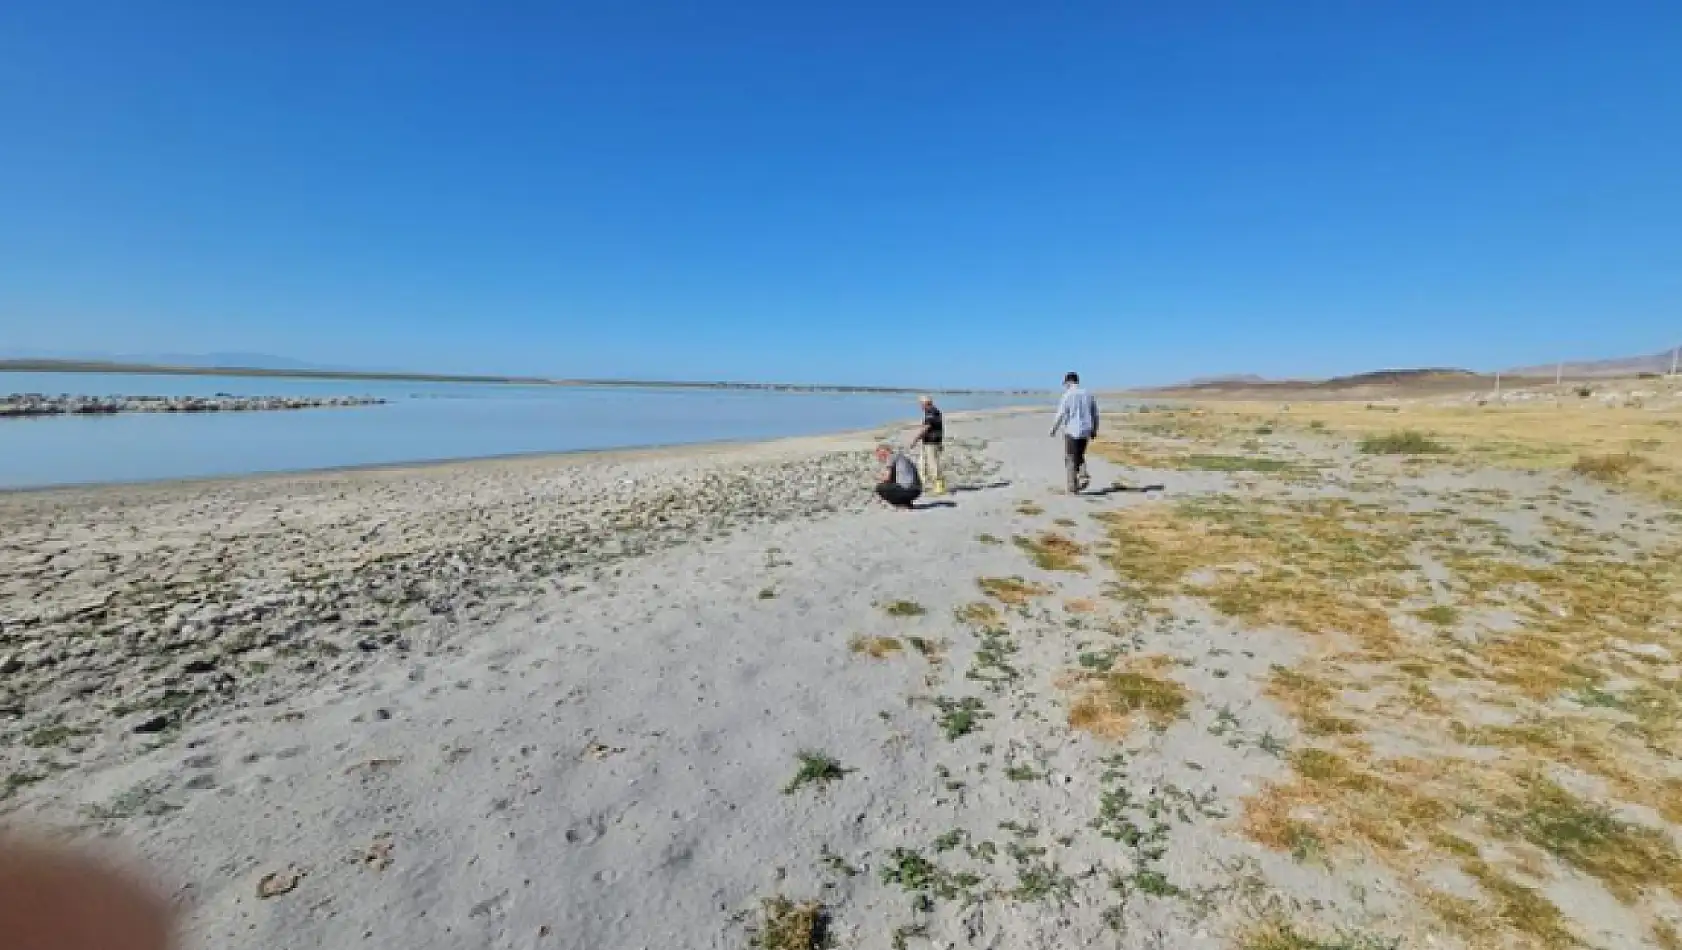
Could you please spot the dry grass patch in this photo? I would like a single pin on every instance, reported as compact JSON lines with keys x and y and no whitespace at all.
{"x":1180,"y":423}
{"x":1134,"y":455}
{"x":1336,"y":801}
{"x":875,"y":647}
{"x":1320,"y":566}
{"x":1279,"y":934}
{"x":1052,"y":551}
{"x":1013,"y":591}
{"x":1590,"y":613}
{"x":1509,"y":910}
{"x":1536,"y":434}
{"x":1081,"y":605}
{"x":1588,"y":836}
{"x":1405,"y":442}
{"x":1108,"y":704}
{"x":1130,"y":454}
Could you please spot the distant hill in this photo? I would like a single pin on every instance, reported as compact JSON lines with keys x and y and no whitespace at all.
{"x":225,"y":361}
{"x":1435,"y":378}
{"x":1600,"y":369}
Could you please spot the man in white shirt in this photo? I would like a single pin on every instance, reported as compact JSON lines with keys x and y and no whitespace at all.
{"x":1077,"y":417}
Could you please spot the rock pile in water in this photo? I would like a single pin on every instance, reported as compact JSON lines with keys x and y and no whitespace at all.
{"x":38,"y":404}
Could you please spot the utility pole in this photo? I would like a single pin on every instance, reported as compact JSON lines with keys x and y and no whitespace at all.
{"x":1559,"y":371}
{"x":1497,"y":385}
{"x":1674,"y":354}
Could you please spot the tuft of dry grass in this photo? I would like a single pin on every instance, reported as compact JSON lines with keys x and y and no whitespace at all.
{"x":904,"y":608}
{"x":875,"y":647}
{"x":791,"y":925}
{"x":1052,"y":551}
{"x":1441,"y":615}
{"x":1609,"y":468}
{"x":932,"y":650}
{"x":1107,"y":703}
{"x":1029,"y":508}
{"x":1012,"y":591}
{"x":981,"y":615}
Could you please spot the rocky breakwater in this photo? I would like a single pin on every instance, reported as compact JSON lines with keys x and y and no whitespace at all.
{"x":123,"y":618}
{"x":20,"y":405}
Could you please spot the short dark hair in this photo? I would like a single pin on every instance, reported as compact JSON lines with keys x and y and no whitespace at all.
{"x":1071,"y":378}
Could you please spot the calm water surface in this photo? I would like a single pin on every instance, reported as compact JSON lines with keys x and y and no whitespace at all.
{"x":422,"y":422}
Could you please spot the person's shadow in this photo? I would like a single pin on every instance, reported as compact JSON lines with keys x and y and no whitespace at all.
{"x":956,"y":489}
{"x":1118,"y":488}
{"x":924,"y":506}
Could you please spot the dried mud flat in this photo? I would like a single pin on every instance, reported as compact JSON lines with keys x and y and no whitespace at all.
{"x":1323,"y":689}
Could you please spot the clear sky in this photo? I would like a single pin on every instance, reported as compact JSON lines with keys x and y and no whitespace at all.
{"x":977,"y":193}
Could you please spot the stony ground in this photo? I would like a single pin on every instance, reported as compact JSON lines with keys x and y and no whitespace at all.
{"x":1300,"y":696}
{"x":131,"y":611}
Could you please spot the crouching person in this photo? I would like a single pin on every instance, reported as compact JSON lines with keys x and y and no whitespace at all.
{"x":899,"y":484}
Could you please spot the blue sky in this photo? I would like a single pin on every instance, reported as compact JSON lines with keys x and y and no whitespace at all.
{"x":938,"y":194}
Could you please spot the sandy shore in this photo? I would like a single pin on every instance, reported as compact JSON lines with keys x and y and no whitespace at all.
{"x":562,"y":702}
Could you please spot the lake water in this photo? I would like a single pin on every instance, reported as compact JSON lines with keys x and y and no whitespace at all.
{"x":421,"y":422}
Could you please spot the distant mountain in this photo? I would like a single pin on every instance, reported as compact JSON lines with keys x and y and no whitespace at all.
{"x":1596,"y":369}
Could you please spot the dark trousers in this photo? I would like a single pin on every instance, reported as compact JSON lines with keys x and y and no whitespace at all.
{"x":1074,"y":462}
{"x":894,"y":494}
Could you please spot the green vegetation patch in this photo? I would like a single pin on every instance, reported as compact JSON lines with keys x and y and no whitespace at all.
{"x":815,"y":767}
{"x":1403,"y":442}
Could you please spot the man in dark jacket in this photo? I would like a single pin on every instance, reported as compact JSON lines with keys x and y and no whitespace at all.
{"x":932,"y":437}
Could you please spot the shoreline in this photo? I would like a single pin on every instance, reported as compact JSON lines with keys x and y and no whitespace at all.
{"x":132,"y":610}
{"x":153,"y":369}
{"x":628,"y":453}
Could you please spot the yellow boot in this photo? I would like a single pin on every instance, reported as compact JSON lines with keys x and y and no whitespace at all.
{"x":940,"y":486}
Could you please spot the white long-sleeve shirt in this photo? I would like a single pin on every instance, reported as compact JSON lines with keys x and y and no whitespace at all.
{"x":1077,"y":414}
